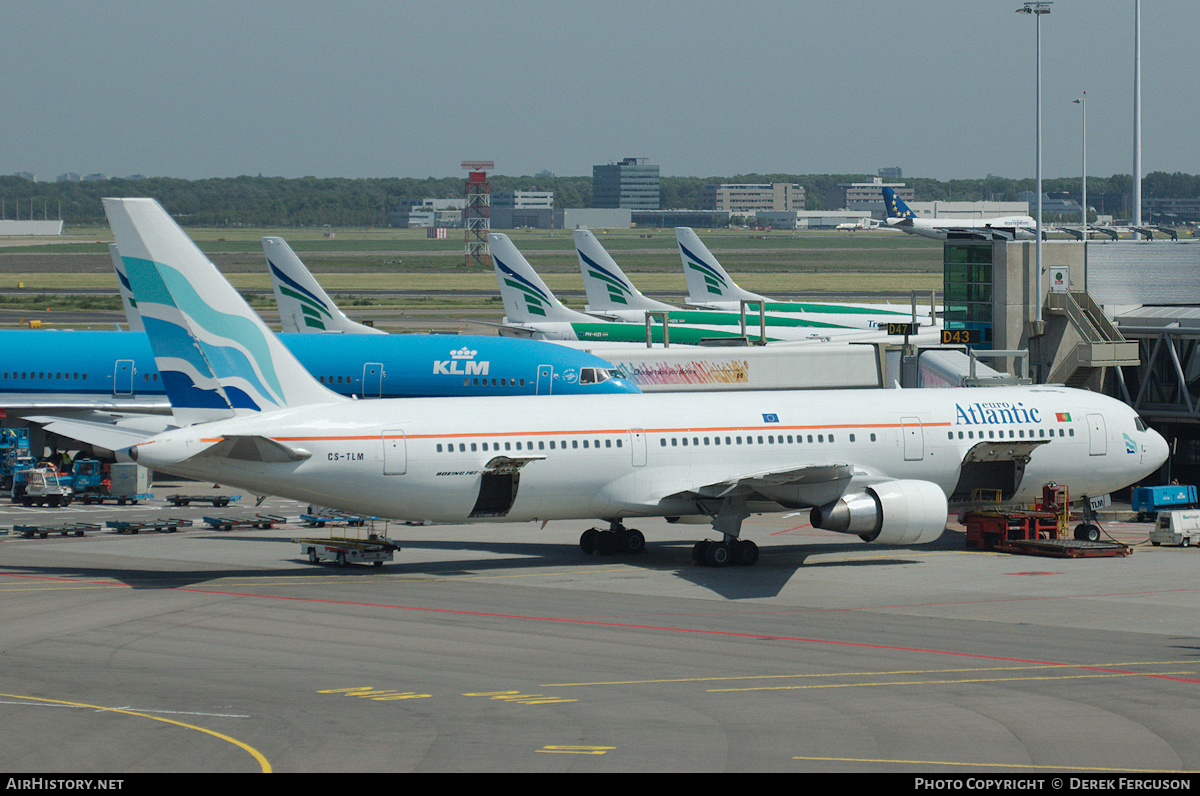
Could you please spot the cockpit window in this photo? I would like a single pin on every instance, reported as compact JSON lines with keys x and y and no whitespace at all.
{"x":1137,"y":421}
{"x":594,"y":375}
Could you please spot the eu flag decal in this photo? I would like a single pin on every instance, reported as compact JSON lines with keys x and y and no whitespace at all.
{"x":770,"y":418}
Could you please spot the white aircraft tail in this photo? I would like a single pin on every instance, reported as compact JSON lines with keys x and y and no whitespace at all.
{"x":526,"y":297}
{"x":132,"y":317}
{"x":303,"y":305}
{"x":707,"y":281}
{"x":607,"y":286}
{"x":215,"y":355}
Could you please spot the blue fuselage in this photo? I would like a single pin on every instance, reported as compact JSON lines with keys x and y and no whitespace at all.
{"x":106,"y":364}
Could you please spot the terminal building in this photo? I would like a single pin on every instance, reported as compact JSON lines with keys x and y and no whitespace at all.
{"x":1119,"y":317}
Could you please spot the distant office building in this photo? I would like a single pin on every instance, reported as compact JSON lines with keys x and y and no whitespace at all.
{"x":27,"y":175}
{"x":1051,"y":205}
{"x":749,"y":198}
{"x":865,"y":195}
{"x":69,"y":176}
{"x":633,"y":183}
{"x":94,"y":178}
{"x":427,"y":213}
{"x":1161,"y":210}
{"x":522,"y":200}
{"x":891,"y":173}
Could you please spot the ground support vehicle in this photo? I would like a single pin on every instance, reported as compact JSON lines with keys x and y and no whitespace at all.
{"x":98,"y":482}
{"x":257,"y":521}
{"x":67,"y":529}
{"x":42,"y":486}
{"x":1033,"y":533}
{"x":1148,"y":501}
{"x":319,"y":519}
{"x":1180,"y":528}
{"x":373,"y":549}
{"x":155,"y":526}
{"x":216,"y":501}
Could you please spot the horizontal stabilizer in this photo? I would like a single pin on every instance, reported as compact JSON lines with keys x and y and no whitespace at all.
{"x":100,"y":435}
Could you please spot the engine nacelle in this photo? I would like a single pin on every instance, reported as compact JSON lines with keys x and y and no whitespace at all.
{"x":890,"y":512}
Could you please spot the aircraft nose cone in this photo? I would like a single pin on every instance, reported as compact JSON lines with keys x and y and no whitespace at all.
{"x":1158,"y":450}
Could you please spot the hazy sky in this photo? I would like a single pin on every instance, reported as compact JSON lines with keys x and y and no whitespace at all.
{"x":391,"y":88}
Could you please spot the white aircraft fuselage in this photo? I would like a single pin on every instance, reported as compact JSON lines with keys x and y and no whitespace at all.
{"x":446,"y":459}
{"x":1015,"y":227}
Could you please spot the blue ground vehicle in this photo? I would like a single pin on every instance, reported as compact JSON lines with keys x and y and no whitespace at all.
{"x":1149,"y":500}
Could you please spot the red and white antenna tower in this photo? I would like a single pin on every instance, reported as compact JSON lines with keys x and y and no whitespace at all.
{"x":477,"y":218}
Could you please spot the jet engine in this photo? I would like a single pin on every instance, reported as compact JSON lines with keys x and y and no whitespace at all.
{"x":890,"y":512}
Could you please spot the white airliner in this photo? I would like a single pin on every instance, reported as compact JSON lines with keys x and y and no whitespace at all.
{"x":710,"y":285}
{"x":304,"y":306}
{"x":877,"y":464}
{"x":900,"y":216}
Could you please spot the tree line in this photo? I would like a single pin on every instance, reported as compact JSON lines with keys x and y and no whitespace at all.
{"x":311,"y":201}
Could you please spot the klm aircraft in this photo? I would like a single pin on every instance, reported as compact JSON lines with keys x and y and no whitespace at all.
{"x":115,"y":371}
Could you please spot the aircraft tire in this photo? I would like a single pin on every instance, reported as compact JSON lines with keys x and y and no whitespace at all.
{"x":632,"y":541}
{"x":718,"y":554}
{"x":747,"y":553}
{"x":587,"y":541}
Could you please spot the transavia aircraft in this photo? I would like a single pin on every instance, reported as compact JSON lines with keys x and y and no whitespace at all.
{"x":531,"y":309}
{"x":710,"y":285}
{"x":879,"y":465}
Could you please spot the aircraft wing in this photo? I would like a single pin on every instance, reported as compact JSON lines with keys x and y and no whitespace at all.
{"x":808,"y":484}
{"x":22,"y":403}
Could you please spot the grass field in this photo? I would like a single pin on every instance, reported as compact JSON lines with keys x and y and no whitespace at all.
{"x":782,"y":264}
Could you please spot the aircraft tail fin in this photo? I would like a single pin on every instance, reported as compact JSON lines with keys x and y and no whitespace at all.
{"x":216,"y":356}
{"x":895,"y":206}
{"x":526,"y":297}
{"x":707,"y":281}
{"x":606,"y":284}
{"x":303,"y":305}
{"x":132,"y":317}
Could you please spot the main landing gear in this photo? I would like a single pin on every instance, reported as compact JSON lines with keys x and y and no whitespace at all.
{"x":730,"y":551}
{"x":617,"y":539}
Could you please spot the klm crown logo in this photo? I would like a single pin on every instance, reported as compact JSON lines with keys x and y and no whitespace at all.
{"x":461,"y":363}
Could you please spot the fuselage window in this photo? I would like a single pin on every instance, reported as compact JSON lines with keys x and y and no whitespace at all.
{"x":852,"y":438}
{"x":439,"y":447}
{"x":551,"y":444}
{"x":872,"y":437}
{"x":462,"y":447}
{"x":541,"y":445}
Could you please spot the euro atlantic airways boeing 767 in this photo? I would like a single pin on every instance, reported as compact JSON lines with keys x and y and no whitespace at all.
{"x":882,"y":465}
